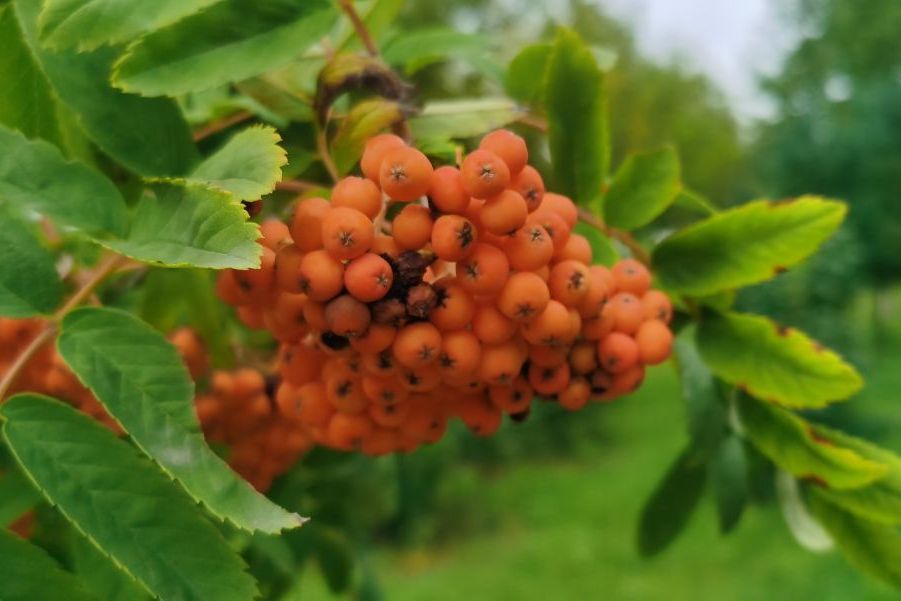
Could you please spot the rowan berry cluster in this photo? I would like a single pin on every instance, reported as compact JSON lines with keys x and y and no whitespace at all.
{"x":239,"y":411}
{"x":420,"y":294}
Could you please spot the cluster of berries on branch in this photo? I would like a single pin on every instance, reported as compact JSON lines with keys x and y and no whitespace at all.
{"x":418,"y":294}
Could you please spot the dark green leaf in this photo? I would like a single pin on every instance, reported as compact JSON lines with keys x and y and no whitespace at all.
{"x":643,"y":187}
{"x":118,"y":499}
{"x":602,"y":250}
{"x":729,"y":477}
{"x":745,"y":245}
{"x":26,"y":101}
{"x":230,"y":41}
{"x":27,"y":573}
{"x":872,"y":547}
{"x":780,"y":365}
{"x":248,"y":165}
{"x":578,"y":132}
{"x":17,"y":495}
{"x":463,"y":118}
{"x":364,"y":120}
{"x":148,"y":136}
{"x":705,"y":413}
{"x":143,"y":383}
{"x":186,"y":223}
{"x":86,"y":24}
{"x":29,"y":284}
{"x":786,"y":439}
{"x":671,"y":505}
{"x":335,"y":558}
{"x":100,"y":575}
{"x":34,"y":175}
{"x":525,"y":75}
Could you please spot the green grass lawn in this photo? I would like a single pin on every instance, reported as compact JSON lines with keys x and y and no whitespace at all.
{"x":567,"y":528}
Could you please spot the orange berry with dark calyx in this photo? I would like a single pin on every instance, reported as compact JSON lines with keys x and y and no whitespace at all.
{"x":631,"y":276}
{"x":529,"y":184}
{"x":299,"y":364}
{"x":583,"y":358}
{"x":548,"y":381}
{"x":599,"y":291}
{"x":389,"y":415}
{"x":374,"y":151}
{"x":513,"y":398}
{"x":617,"y":352}
{"x":484,"y":271}
{"x":657,"y":305}
{"x":405,"y":174}
{"x":417,"y":345}
{"x":422,"y":379}
{"x":556,"y":227}
{"x":274,"y":233}
{"x":491,"y":326}
{"x":346,"y":233}
{"x":446,"y":191}
{"x":346,"y":316}
{"x":561,"y":205}
{"x":500,"y":364}
{"x":306,"y":224}
{"x":484,"y":174}
{"x":655,"y":342}
{"x":377,"y":338}
{"x":507,"y":145}
{"x":529,"y":248}
{"x":577,"y":248}
{"x":412,"y":227}
{"x":576,"y":394}
{"x":455,"y":306}
{"x":285,"y":317}
{"x":453,"y":237}
{"x":460,"y":353}
{"x":382,"y":363}
{"x":345,"y":392}
{"x":358,"y":193}
{"x":481,"y":417}
{"x":368,"y":277}
{"x":347,"y":432}
{"x":551,"y":327}
{"x":569,"y":282}
{"x":504,"y":212}
{"x":626,"y":311}
{"x":384,"y":390}
{"x":425,"y":423}
{"x":321,"y":275}
{"x":547,"y":356}
{"x":523,"y":297}
{"x":287,"y":268}
{"x":258,"y":284}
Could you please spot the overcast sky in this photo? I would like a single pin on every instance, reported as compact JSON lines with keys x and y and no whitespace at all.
{"x":732,"y":41}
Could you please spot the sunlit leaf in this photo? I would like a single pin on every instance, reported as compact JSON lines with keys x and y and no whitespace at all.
{"x":464,"y":118}
{"x":248,"y":165}
{"x":525,"y":77}
{"x":643,"y":187}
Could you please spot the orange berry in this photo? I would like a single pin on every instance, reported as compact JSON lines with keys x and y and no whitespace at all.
{"x":481,"y":417}
{"x":273,"y":233}
{"x":455,"y":306}
{"x":504,"y":212}
{"x":561,"y":205}
{"x":484,"y":174}
{"x":383,"y":244}
{"x":346,"y":233}
{"x":389,"y":415}
{"x":491,"y":326}
{"x":460,"y":353}
{"x":577,"y":248}
{"x":380,"y":364}
{"x":631,"y":276}
{"x":377,"y":338}
{"x":285,"y":318}
{"x":617,"y":352}
{"x":252,"y":317}
{"x":425,"y":424}
{"x":191,"y":349}
{"x":529,"y":248}
{"x":412,"y":227}
{"x":345,"y":392}
{"x":417,"y":345}
{"x":299,"y":364}
{"x":287,"y":268}
{"x":453,"y":237}
{"x":583,"y":358}
{"x":551,"y":327}
{"x":569,"y":282}
{"x":548,"y":381}
{"x":528,"y":182}
{"x":306,"y":403}
{"x":405,"y":174}
{"x":306,"y":225}
{"x":314,"y":314}
{"x":228,"y":291}
{"x":347,"y":432}
{"x":484,"y":271}
{"x":358,"y":193}
{"x":384,"y":390}
{"x":627,"y":381}
{"x":548,"y":356}
{"x":368,"y":277}
{"x":258,"y":284}
{"x":626,"y":311}
{"x":575,"y":395}
{"x":507,"y":145}
{"x":375,"y":150}
{"x":421,"y":379}
{"x":346,"y":316}
{"x":655,"y":342}
{"x":554,"y":225}
{"x":500,"y":364}
{"x":513,"y":398}
{"x":657,"y":306}
{"x":523,"y":297}
{"x":600,"y":288}
{"x":321,"y":275}
{"x":446,"y":191}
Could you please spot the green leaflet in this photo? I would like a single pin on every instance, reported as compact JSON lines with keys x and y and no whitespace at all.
{"x":525,"y":78}
{"x":123,"y":503}
{"x":729,"y":480}
{"x":643,"y":187}
{"x":786,"y":439}
{"x":100,"y":575}
{"x":185,"y":223}
{"x":87,"y":24}
{"x":141,"y":380}
{"x":230,"y":41}
{"x":417,"y":50}
{"x":704,"y":404}
{"x":780,"y":365}
{"x":746,"y":245}
{"x":248,"y":165}
{"x":149,"y":137}
{"x":35,"y":175}
{"x":463,"y":118}
{"x":365,"y":119}
{"x":27,"y":573}
{"x":578,"y":131}
{"x":29,"y":284}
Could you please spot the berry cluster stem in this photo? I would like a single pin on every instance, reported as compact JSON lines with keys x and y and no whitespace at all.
{"x":50,"y":329}
{"x":625,"y":238}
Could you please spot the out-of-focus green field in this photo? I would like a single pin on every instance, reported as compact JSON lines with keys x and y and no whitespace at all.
{"x":568,"y":527}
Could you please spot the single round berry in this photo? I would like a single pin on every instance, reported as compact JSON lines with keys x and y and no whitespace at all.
{"x":507,"y":145}
{"x":405,"y":174}
{"x":484,"y":174}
